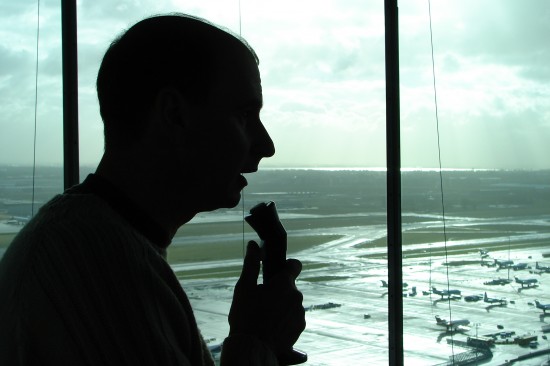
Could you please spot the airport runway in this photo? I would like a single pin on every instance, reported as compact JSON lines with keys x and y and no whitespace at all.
{"x":347,"y":323}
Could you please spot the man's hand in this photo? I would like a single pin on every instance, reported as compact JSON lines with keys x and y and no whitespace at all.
{"x":272,"y":312}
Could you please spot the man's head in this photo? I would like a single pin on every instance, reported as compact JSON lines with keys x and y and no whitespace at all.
{"x":181,"y":99}
{"x":176,"y":50}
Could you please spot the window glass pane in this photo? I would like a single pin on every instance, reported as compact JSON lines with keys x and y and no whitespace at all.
{"x":23,"y":189}
{"x":322,"y":67}
{"x":491,"y":67}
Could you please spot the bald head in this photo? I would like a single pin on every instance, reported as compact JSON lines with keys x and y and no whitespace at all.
{"x":168,"y":51}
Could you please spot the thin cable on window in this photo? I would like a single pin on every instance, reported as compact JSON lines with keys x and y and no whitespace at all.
{"x":440,"y":174}
{"x":35,"y":107}
{"x":242,"y":199}
{"x":242,"y":195}
{"x":240,"y":29}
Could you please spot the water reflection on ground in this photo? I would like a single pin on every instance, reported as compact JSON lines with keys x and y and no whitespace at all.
{"x":349,"y":272}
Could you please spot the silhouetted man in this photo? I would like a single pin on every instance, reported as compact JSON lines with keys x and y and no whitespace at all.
{"x":86,"y":281}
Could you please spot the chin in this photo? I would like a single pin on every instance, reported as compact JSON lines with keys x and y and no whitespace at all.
{"x":228,"y":201}
{"x":232,"y":202}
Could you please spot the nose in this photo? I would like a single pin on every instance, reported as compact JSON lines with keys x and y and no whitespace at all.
{"x":263,"y":145}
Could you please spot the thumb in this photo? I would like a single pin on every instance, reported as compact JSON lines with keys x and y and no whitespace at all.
{"x":251,"y":265}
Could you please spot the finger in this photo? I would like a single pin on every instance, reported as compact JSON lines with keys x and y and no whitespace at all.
{"x":293,"y":267}
{"x":251,"y":265}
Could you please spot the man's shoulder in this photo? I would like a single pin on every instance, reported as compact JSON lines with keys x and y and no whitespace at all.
{"x":75,"y":267}
{"x":65,"y":217}
{"x":70,"y":227}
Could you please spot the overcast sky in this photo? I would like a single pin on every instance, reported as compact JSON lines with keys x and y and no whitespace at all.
{"x":322,"y":65}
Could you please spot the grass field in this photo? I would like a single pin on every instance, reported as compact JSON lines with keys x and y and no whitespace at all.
{"x":230,"y":271}
{"x":204,"y":251}
{"x":210,"y":251}
{"x":5,"y":239}
{"x":435,"y":235}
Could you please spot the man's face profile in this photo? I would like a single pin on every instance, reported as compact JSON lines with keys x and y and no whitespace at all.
{"x":228,"y":137}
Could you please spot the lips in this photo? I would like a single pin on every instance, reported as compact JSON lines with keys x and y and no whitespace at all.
{"x":250,"y":166}
{"x":242,"y":181}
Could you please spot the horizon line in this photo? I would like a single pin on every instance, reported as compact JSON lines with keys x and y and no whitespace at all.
{"x":319,"y":167}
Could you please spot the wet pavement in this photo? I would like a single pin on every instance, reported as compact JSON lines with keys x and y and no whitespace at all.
{"x":355,"y":331}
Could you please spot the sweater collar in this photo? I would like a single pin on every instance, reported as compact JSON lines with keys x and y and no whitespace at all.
{"x":119,"y":202}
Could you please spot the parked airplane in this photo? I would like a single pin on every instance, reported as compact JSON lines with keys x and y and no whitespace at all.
{"x":471,"y":298}
{"x":18,"y":220}
{"x":385,"y":284}
{"x":527,"y":282}
{"x":493,"y":300}
{"x":487,"y":263}
{"x":542,"y":268}
{"x":544,"y":307}
{"x":498,"y":281}
{"x":519,"y":266}
{"x":504,"y":264}
{"x":446,"y":293}
{"x":451,"y":324}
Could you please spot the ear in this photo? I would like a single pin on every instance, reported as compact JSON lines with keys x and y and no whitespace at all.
{"x":171,"y":107}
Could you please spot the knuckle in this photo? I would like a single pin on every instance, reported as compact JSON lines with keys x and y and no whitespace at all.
{"x":303,"y":325}
{"x":300,"y":296}
{"x":296,"y":297}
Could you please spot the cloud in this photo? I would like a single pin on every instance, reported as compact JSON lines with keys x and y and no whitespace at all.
{"x":322,"y":65}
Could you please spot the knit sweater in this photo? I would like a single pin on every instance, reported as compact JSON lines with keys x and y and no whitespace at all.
{"x":79,"y":285}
